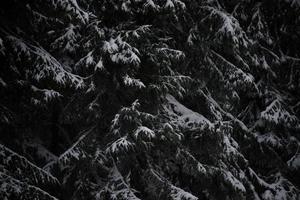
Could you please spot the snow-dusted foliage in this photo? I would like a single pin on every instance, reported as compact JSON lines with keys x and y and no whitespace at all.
{"x":179,"y":194}
{"x":128,"y":129}
{"x":16,"y":165}
{"x":67,"y":42}
{"x":162,"y":188}
{"x":117,"y":187}
{"x":120,"y":146}
{"x":184,"y":117}
{"x":276,"y":113}
{"x":43,"y":66}
{"x":225,"y":26}
{"x":121,"y":52}
{"x":132,"y":82}
{"x":14,"y":189}
{"x":21,"y":179}
{"x":150,"y":100}
{"x":294,"y":162}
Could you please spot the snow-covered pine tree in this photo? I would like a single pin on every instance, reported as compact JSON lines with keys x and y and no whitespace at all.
{"x":150,"y":99}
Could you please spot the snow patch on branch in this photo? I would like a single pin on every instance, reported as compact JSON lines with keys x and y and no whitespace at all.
{"x":183,"y":116}
{"x":48,"y":94}
{"x":45,"y":65}
{"x":11,"y":187}
{"x":144,"y":132}
{"x":121,"y":145}
{"x":276,"y":113}
{"x":128,"y":81}
{"x":294,"y":162}
{"x":18,"y":165}
{"x":180,"y":194}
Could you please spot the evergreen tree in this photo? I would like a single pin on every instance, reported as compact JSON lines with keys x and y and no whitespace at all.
{"x":150,"y":99}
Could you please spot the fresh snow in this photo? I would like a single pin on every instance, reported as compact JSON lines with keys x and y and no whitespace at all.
{"x":269,"y":138}
{"x":10,"y":187}
{"x":169,"y":4}
{"x":38,"y":175}
{"x":118,"y":186}
{"x":294,"y":162}
{"x":144,"y":132}
{"x":120,"y":145}
{"x":121,"y":52}
{"x":180,"y":194}
{"x":99,"y":65}
{"x":276,"y":113}
{"x":280,"y":189}
{"x":183,"y":116}
{"x":48,"y":94}
{"x":133,"y":82}
{"x":230,"y":26}
{"x":46,"y":65}
{"x":236,"y":184}
{"x":75,"y":151}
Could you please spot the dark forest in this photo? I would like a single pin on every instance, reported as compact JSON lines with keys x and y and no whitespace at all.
{"x":150,"y":100}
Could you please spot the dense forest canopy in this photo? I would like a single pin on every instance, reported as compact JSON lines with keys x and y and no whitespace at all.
{"x":150,"y":99}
